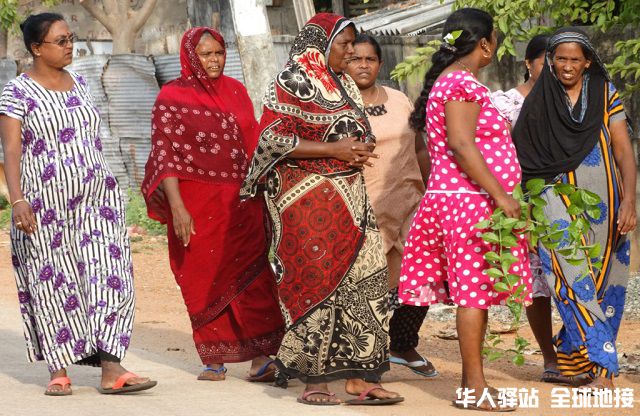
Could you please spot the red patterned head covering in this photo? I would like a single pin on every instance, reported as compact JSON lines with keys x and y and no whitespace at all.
{"x":308,"y":100}
{"x":203,"y":129}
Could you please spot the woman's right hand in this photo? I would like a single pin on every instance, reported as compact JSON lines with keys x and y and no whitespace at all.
{"x":183,"y":224}
{"x":509,"y":205}
{"x":24,"y":218}
{"x":357,"y":153}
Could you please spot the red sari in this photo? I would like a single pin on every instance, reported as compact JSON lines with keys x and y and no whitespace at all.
{"x":204,"y":133}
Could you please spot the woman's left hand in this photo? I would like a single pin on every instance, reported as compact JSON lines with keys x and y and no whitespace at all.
{"x":627,"y":216}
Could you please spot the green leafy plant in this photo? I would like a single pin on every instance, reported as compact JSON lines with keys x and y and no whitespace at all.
{"x":520,"y":20}
{"x":570,"y":242}
{"x":10,"y":14}
{"x":416,"y":66}
{"x":137,"y":215}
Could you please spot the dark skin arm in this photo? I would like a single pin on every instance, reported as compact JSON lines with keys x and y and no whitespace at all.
{"x":624,"y":156}
{"x":348,"y":149}
{"x":422,"y":154}
{"x":10,"y":132}
{"x":461,"y":119}
{"x":183,"y":224}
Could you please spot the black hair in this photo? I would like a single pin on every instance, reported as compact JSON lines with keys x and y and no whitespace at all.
{"x":364,"y":38}
{"x":536,"y":48}
{"x":475,"y":24}
{"x":36,"y":26}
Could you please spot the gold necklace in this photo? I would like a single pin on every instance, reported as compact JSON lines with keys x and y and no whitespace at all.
{"x":370,"y":104}
{"x":466,"y":68}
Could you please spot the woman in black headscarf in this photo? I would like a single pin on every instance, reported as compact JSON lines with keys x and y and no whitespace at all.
{"x":573,"y":129}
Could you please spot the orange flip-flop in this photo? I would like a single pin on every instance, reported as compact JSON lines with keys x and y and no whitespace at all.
{"x":62,"y":382}
{"x":121,"y":386}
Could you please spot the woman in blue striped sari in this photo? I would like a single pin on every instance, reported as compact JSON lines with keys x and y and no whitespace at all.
{"x":573,"y":129}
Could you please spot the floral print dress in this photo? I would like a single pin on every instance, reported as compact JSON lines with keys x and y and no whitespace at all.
{"x":74,"y":274}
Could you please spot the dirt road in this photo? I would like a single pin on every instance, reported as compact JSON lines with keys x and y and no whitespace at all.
{"x":162,"y":348}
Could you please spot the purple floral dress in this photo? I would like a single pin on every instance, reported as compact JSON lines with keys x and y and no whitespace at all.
{"x":74,"y":275}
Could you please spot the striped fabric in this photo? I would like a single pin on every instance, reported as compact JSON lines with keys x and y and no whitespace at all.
{"x":591,"y":306}
{"x":74,"y":275}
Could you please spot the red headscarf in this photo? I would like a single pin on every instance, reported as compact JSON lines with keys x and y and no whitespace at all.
{"x":203,"y":129}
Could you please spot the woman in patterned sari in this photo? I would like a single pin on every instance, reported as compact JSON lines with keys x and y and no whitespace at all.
{"x":573,"y":129}
{"x":328,"y":254}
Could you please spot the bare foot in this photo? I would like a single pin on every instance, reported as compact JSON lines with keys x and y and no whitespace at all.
{"x":111,"y":371}
{"x":411,"y":356}
{"x":57,"y":388}
{"x":213,"y":372}
{"x":600,"y":383}
{"x":480,"y":393}
{"x":355,"y":386}
{"x":328,"y":397}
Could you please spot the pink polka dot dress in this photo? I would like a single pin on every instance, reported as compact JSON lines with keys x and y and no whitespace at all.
{"x":444,"y":253}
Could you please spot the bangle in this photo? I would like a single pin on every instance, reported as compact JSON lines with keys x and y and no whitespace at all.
{"x":17,"y":201}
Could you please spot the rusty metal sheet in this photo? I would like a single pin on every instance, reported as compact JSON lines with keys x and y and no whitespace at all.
{"x":131,"y":87}
{"x":410,"y":18}
{"x":92,"y":68}
{"x":8,"y":71}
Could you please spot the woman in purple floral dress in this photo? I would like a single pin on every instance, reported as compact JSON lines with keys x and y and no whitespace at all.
{"x":68,"y":237}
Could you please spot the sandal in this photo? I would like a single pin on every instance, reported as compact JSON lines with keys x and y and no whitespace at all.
{"x":266,"y":373}
{"x":365,"y":400}
{"x":62,"y":382}
{"x":554,"y":376}
{"x":219,"y":374}
{"x":121,"y":386}
{"x":412,"y":365}
{"x":303,"y":398}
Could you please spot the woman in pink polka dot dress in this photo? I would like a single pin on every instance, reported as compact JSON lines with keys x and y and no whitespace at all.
{"x":474,"y":168}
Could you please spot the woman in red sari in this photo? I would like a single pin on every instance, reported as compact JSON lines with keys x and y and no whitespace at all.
{"x":203,"y":134}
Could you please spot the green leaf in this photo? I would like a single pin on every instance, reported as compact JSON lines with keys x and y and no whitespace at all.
{"x":493,"y":272}
{"x":564,"y":188}
{"x":517,"y":193}
{"x":492,"y":257}
{"x":518,"y":360}
{"x":501,"y":287}
{"x":491,"y":238}
{"x":509,"y":241}
{"x":483,"y":224}
{"x":535,"y":186}
{"x":589,"y":198}
{"x":575,"y":262}
{"x":575,"y":210}
{"x":594,"y":251}
{"x":537,"y":213}
{"x":512,"y":279}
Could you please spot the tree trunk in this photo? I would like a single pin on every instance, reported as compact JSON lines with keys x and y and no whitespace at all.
{"x":122,"y":22}
{"x":3,"y":43}
{"x":124,"y":41}
{"x":255,"y":46}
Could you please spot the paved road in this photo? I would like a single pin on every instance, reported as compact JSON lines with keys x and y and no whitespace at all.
{"x":177,"y":393}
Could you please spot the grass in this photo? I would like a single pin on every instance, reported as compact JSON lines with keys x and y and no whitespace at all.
{"x":136,"y":214}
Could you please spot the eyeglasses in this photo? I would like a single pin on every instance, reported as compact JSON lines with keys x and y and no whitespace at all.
{"x":63,"y":42}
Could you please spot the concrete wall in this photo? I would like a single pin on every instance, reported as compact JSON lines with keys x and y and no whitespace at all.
{"x":160,"y":35}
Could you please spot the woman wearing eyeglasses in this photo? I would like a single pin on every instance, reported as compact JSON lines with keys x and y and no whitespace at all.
{"x":70,"y":248}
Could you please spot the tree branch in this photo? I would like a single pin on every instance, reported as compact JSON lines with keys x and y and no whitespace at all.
{"x":98,"y":13}
{"x":142,"y":14}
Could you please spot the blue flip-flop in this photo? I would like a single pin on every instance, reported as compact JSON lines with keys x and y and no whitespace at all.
{"x":266,"y":374}
{"x":412,"y":365}
{"x":219,"y":371}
